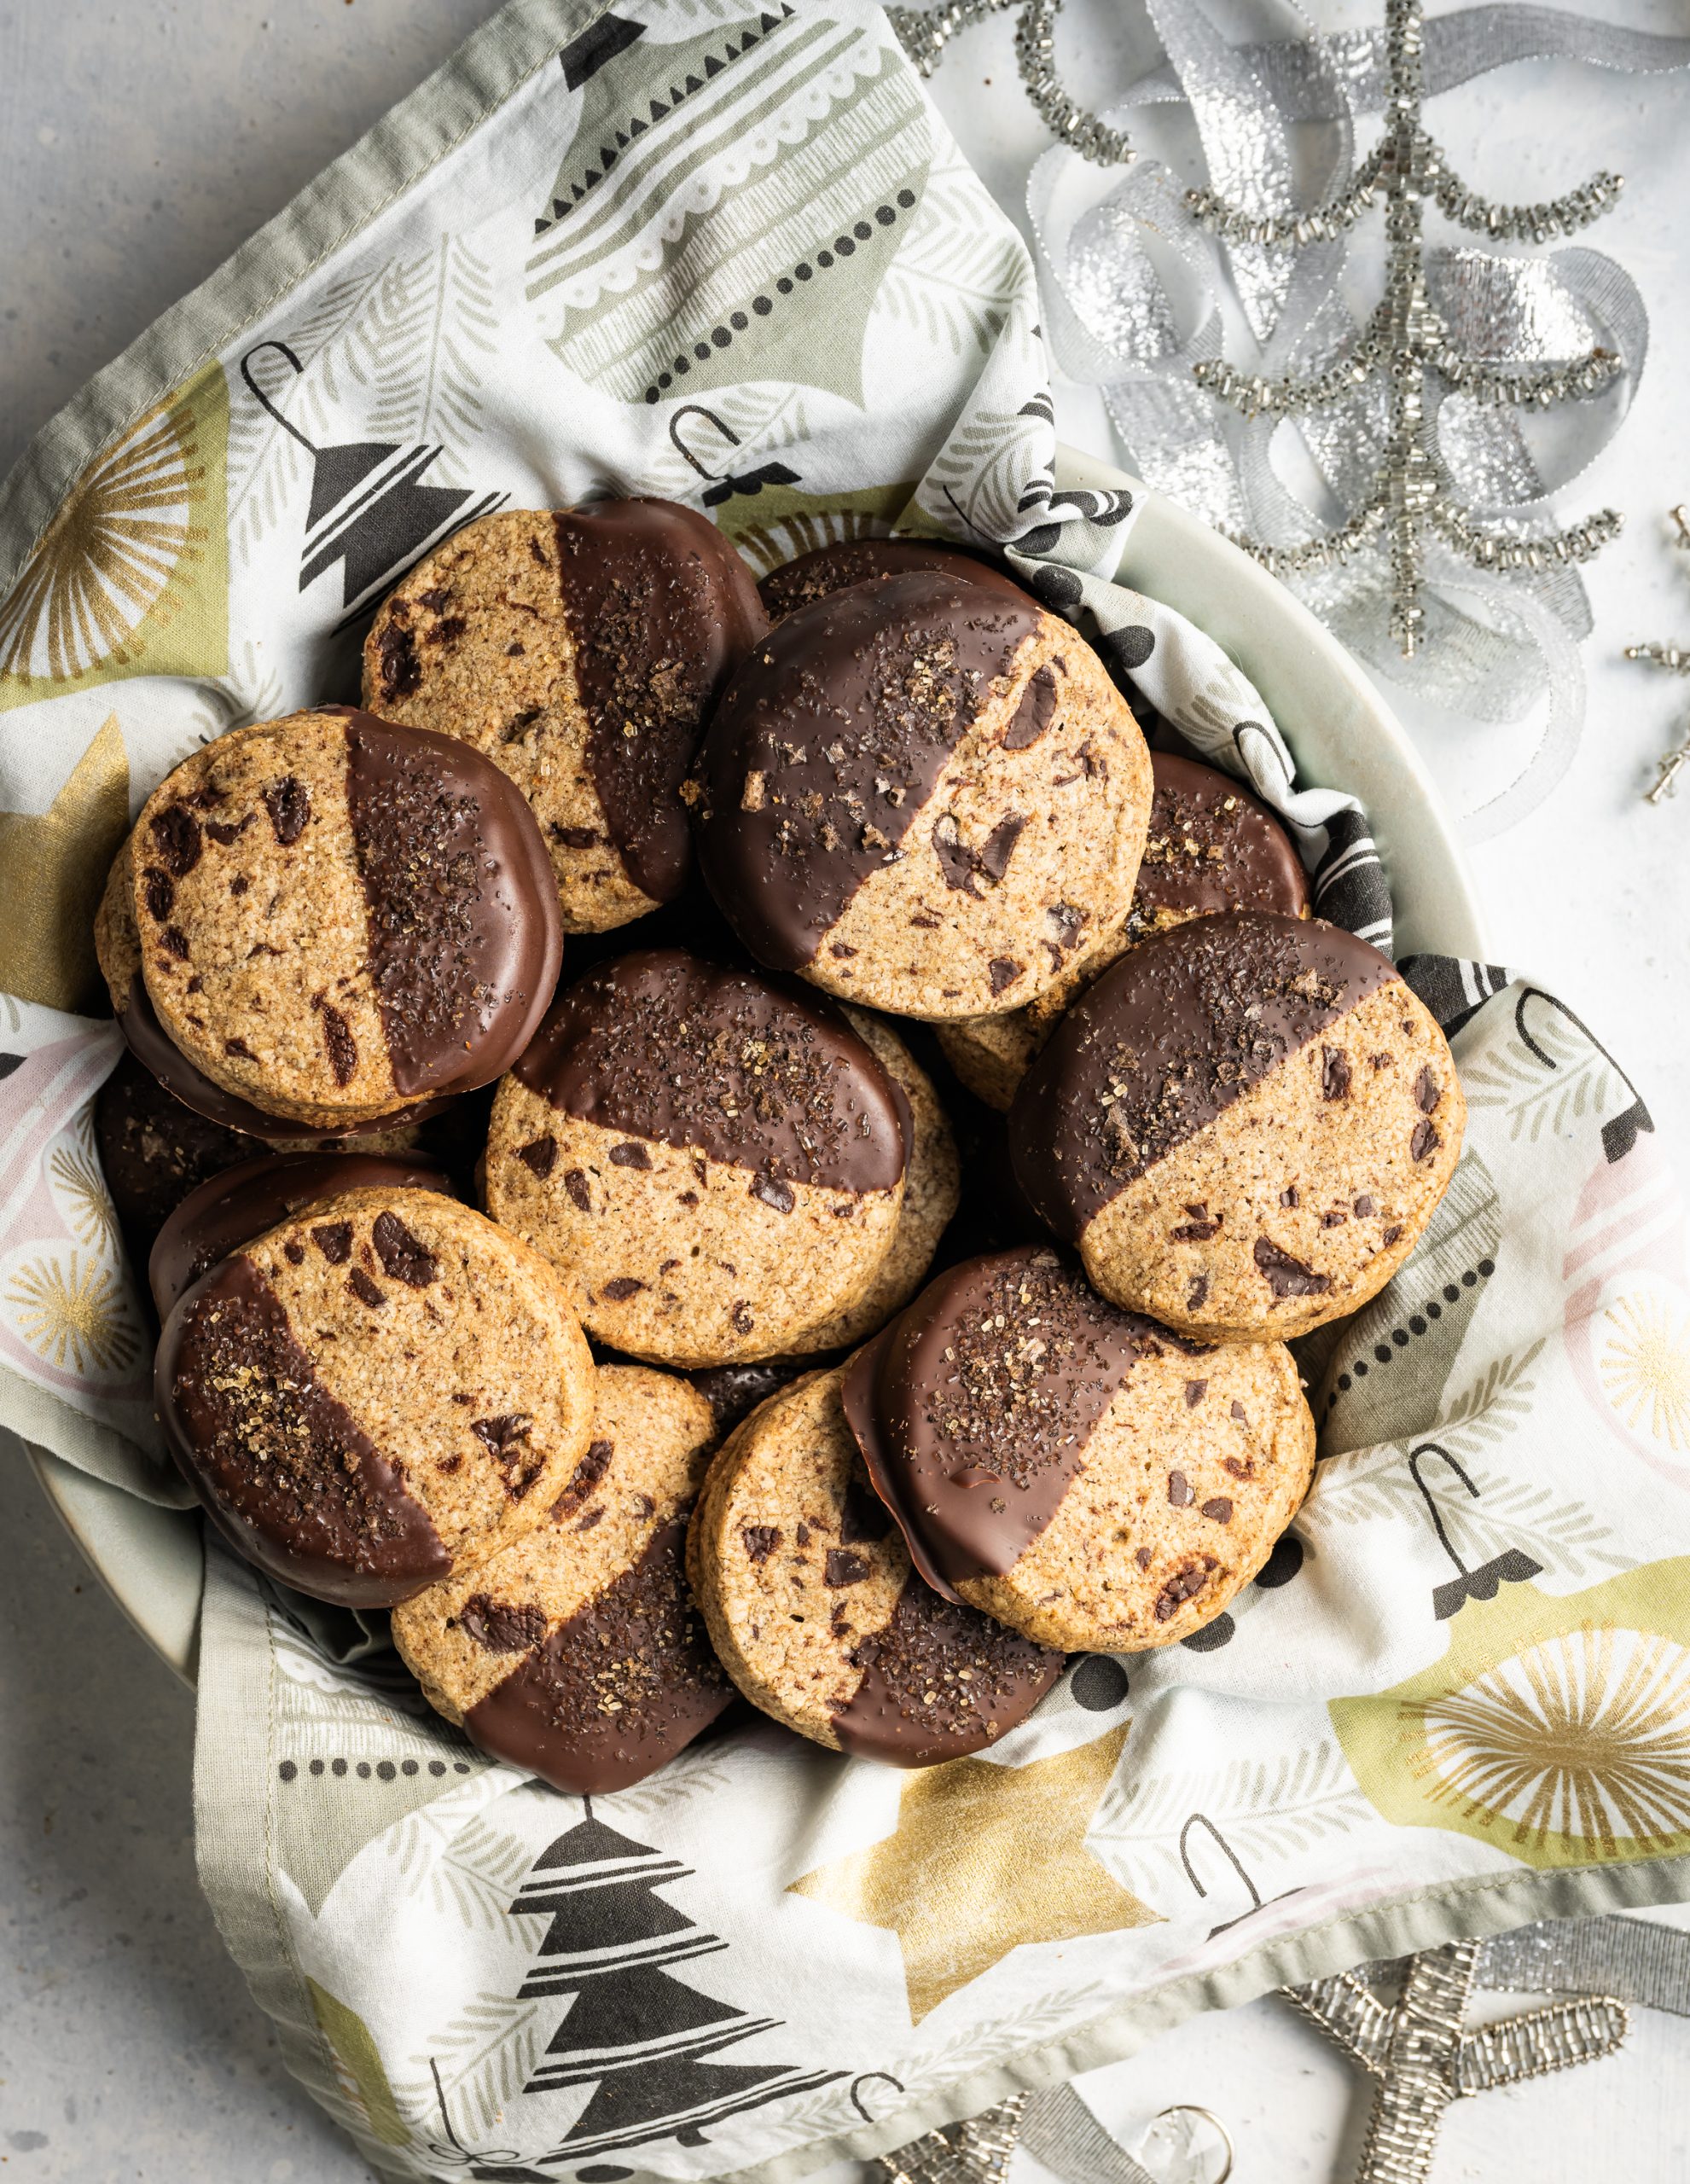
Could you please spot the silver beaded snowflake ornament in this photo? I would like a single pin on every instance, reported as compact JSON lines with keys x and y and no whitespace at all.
{"x":1406,"y":340}
{"x":1422,"y":2056}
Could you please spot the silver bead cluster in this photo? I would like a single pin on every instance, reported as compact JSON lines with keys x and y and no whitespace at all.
{"x":1406,"y":339}
{"x":924,"y":34}
{"x":1677,"y":661}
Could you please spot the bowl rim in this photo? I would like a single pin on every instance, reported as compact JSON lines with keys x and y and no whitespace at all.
{"x":152,"y":1560}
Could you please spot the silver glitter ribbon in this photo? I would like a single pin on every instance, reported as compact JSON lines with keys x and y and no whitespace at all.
{"x":1133,"y":293}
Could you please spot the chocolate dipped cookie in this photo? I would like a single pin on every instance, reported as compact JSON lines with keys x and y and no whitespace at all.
{"x":932,"y":1186}
{"x":920,"y":794}
{"x":713,"y":1162}
{"x":382,"y":1389}
{"x":1211,"y":847}
{"x":326,"y":923}
{"x":816,"y":1614}
{"x":827,"y":569}
{"x":1243,"y":1127}
{"x":582,"y":652}
{"x":576,"y":1653}
{"x":233,"y":1206}
{"x":1081,"y":1473}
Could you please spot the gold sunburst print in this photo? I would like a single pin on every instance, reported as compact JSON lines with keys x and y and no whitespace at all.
{"x":137,"y":550}
{"x":80,"y":1189}
{"x":1645,"y":1365}
{"x":73,"y":1315}
{"x":1584,"y":1735}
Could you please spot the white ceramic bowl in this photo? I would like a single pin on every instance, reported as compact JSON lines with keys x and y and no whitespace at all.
{"x":1341,"y":734}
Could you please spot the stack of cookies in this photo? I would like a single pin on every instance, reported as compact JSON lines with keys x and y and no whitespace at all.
{"x":638,"y":1339}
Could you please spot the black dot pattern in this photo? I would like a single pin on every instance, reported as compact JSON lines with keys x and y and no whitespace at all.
{"x":844,"y":246}
{"x":1417,"y":1322}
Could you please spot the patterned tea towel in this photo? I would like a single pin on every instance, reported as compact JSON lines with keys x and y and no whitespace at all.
{"x":726,"y":254}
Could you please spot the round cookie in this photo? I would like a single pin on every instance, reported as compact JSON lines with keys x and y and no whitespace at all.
{"x":1211,"y":847}
{"x":827,"y":569}
{"x":379,"y":1392}
{"x":916,"y":789}
{"x":333,"y":920}
{"x":815,"y":1610}
{"x":576,"y":1653}
{"x":713,"y":1162}
{"x":1243,"y":1126}
{"x":1079,"y":1472}
{"x":230,"y":1209}
{"x":932,"y":1186}
{"x":582,"y":652}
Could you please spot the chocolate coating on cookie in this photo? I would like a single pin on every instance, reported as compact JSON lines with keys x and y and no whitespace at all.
{"x":576,"y":1653}
{"x":153,"y":1151}
{"x":828,"y":569}
{"x":1166,"y":1040}
{"x":290,"y":1475}
{"x":464,"y":940}
{"x":662,"y":610}
{"x":640,"y":1646}
{"x":734,"y":1392}
{"x":974,"y":1409}
{"x":744,"y":1071}
{"x":1212,"y":846}
{"x":230,"y":1208}
{"x":831,"y":739}
{"x":582,"y":652}
{"x":936,"y":1679}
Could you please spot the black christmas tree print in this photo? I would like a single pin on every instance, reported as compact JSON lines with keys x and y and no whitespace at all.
{"x":369,"y":509}
{"x":638,"y":2034}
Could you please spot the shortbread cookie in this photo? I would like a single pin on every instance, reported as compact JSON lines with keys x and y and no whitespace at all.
{"x":576,"y":1654}
{"x":827,"y":569}
{"x":230,"y":1209}
{"x":915,"y":789}
{"x":713,"y":1162}
{"x":816,"y":1614}
{"x":582,"y":652}
{"x":1243,"y":1126}
{"x":1211,"y":847}
{"x":1081,"y":1473}
{"x":933,"y":1184}
{"x":334,"y":919}
{"x":381,"y":1391}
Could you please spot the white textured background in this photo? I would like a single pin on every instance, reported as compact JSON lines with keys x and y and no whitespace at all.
{"x":140,"y":142}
